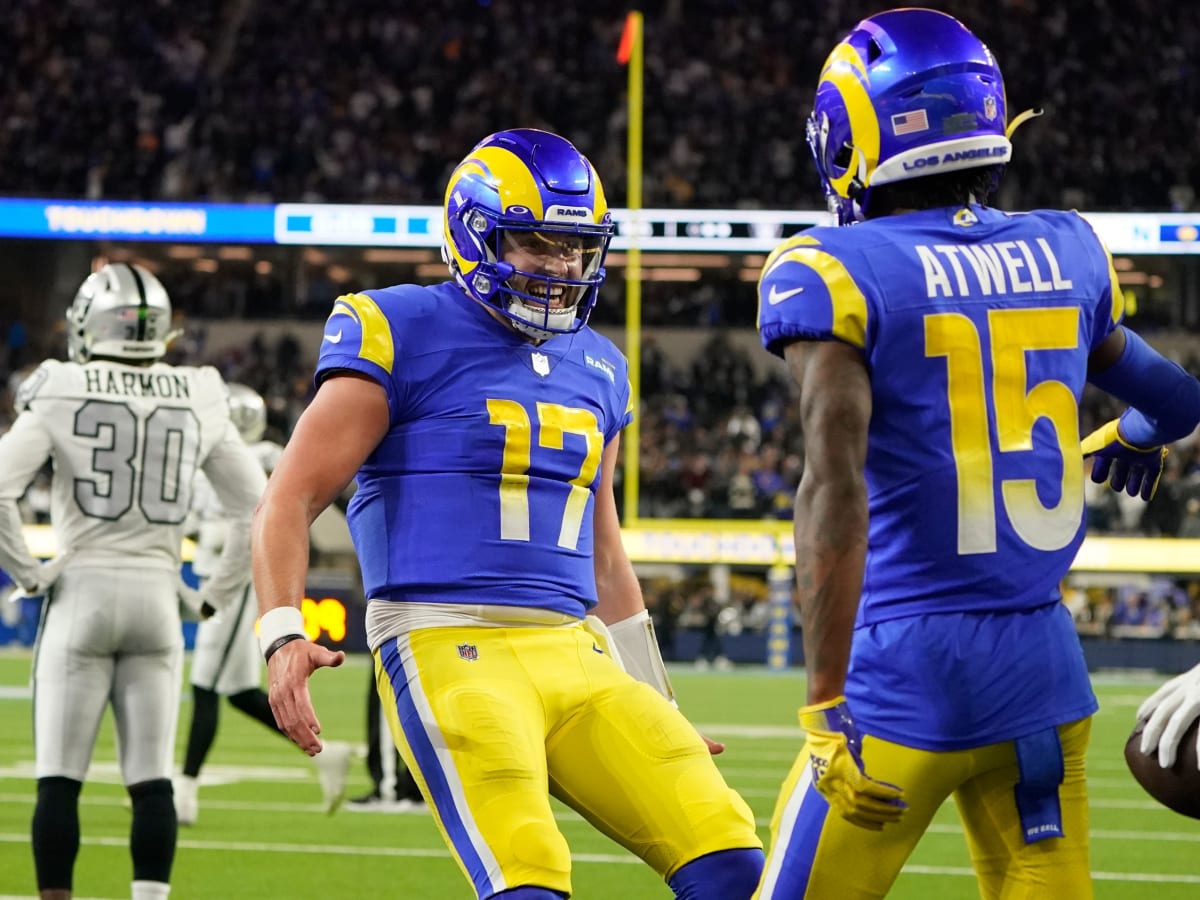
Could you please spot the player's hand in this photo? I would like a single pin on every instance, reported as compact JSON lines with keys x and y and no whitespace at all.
{"x":715,"y":748}
{"x":288,"y":671}
{"x":1168,"y":713}
{"x":1135,"y":470}
{"x":834,"y":749}
{"x":193,"y":604}
{"x":47,"y":573}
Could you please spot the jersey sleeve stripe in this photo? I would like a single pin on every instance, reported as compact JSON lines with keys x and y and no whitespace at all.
{"x":849,"y":304}
{"x":376,"y":346}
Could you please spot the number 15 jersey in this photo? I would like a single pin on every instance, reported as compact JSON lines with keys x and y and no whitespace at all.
{"x":976,"y":327}
{"x":482,"y":490}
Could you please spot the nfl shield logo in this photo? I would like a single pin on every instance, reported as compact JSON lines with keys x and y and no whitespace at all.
{"x":989,"y":108}
{"x":469,"y":652}
{"x":541,"y":364}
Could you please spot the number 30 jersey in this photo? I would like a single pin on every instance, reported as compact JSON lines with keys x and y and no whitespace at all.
{"x":126,"y":442}
{"x":976,"y":326}
{"x":482,"y":490}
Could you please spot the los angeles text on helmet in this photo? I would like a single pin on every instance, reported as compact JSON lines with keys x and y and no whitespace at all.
{"x":137,"y":384}
{"x":957,"y":156}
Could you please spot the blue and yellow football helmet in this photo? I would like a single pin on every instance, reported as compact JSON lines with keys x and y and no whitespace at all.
{"x":907,"y":93}
{"x":528,"y":195}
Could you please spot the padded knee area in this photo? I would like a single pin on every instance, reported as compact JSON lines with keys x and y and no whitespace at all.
{"x":724,"y":875}
{"x":56,"y":832}
{"x":543,"y":855}
{"x":153,"y":831}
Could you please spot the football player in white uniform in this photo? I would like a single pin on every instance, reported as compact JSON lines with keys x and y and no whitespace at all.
{"x":226,"y":660}
{"x":126,"y":433}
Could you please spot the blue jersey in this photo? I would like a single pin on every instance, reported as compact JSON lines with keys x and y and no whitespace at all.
{"x":483,"y":489}
{"x":975,"y":326}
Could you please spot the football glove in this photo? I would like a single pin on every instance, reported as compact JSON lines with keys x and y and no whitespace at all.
{"x":44,"y":578}
{"x":1167,"y":713}
{"x":834,"y":750}
{"x":193,"y":604}
{"x":1135,"y":470}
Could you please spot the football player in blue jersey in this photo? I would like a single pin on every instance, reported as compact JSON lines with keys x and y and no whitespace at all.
{"x":481,"y":418}
{"x":940,"y":348}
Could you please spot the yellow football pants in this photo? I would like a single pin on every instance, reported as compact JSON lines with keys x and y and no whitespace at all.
{"x":492,"y":721}
{"x":817,"y":855}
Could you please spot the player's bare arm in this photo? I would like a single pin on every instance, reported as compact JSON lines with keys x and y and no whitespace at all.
{"x":1108,"y":352}
{"x":337,"y":432}
{"x":831,"y":505}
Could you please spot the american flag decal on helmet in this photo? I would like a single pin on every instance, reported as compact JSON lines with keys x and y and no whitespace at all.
{"x":469,"y":652}
{"x":910,"y":122}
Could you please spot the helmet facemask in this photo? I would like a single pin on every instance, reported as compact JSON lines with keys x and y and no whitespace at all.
{"x":544,"y":276}
{"x":526,"y":231}
{"x":845,"y":209}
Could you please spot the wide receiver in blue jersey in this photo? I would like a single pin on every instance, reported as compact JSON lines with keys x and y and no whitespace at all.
{"x":481,"y":419}
{"x":940,"y":348}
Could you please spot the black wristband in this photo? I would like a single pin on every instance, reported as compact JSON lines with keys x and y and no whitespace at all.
{"x":279,"y":642}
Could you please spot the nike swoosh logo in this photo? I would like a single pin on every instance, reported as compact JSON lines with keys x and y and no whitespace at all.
{"x":334,"y":338}
{"x":777,"y":296}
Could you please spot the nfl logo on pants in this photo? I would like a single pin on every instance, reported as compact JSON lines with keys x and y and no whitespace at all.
{"x":468,"y":652}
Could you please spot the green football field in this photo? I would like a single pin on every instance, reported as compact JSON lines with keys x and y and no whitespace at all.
{"x":261,"y":833}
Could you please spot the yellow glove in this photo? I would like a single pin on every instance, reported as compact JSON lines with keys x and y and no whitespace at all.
{"x":834,"y":750}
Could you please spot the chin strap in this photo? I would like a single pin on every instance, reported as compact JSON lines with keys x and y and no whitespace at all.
{"x":1020,"y":119}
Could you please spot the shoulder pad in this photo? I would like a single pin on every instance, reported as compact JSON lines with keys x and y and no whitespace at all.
{"x":34,"y":382}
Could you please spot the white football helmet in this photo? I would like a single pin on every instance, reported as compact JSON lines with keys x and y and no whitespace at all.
{"x":120,"y":312}
{"x":248,"y":411}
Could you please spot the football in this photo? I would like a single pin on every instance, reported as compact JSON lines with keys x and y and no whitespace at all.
{"x":1176,"y":788}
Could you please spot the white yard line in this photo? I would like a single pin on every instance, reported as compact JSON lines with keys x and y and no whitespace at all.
{"x":593,"y":858}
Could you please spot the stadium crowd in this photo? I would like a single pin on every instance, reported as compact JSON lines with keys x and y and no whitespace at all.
{"x":254,"y":101}
{"x":298,"y":100}
{"x":719,"y":437}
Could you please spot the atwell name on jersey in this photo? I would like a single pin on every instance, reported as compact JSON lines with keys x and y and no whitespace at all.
{"x":1004,"y":267}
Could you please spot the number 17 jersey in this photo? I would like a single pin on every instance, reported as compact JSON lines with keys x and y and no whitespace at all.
{"x":482,"y":490}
